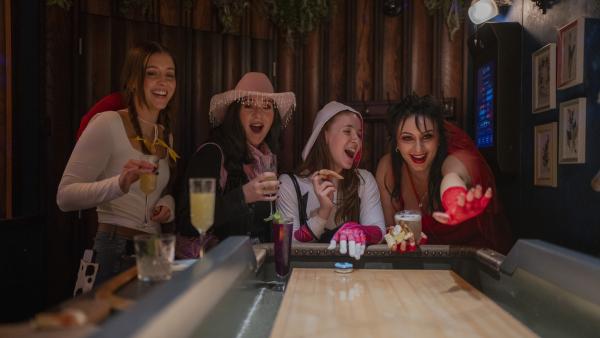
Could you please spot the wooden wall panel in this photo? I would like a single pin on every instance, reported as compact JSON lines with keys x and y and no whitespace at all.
{"x":202,"y":89}
{"x":336,"y":58}
{"x":96,"y":57}
{"x":392,"y":58}
{"x":261,"y":58}
{"x":261,"y":28}
{"x":170,"y":14}
{"x":289,"y":150}
{"x":231,"y":61}
{"x":6,"y":188}
{"x":204,"y":16}
{"x":451,"y":68}
{"x":66,"y":237}
{"x":421,"y":46}
{"x":311,"y":79}
{"x":99,"y":7}
{"x":363,"y":77}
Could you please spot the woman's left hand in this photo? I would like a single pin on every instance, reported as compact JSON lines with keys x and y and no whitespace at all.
{"x":160,"y":214}
{"x":460,"y":205}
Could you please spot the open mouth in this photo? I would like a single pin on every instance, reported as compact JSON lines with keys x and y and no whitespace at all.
{"x":350,"y":153}
{"x":160,"y":92}
{"x":256,"y":127}
{"x":418,"y":159}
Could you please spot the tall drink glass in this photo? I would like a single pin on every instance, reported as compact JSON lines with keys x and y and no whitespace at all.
{"x":202,"y":204}
{"x":268,"y":165}
{"x":282,"y":243}
{"x":412,"y":218}
{"x":148,"y":183}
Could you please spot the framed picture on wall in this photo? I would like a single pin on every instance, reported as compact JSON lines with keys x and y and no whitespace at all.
{"x":543,"y":78}
{"x":570,"y":54}
{"x":544,"y":152}
{"x":571,"y":131}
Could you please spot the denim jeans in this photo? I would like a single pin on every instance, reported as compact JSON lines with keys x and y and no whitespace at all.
{"x":114,"y":254}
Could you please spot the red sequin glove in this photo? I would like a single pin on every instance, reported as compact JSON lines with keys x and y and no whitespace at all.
{"x":460,"y":205}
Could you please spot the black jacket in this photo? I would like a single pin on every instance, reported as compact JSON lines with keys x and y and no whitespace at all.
{"x":233,"y":216}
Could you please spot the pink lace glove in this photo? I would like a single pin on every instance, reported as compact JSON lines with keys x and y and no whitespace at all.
{"x":460,"y":205}
{"x":353,"y":238}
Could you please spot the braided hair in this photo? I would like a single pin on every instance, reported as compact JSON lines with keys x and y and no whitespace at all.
{"x":132,"y":79}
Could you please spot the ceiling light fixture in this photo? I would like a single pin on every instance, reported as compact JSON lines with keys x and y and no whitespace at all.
{"x":482,"y":11}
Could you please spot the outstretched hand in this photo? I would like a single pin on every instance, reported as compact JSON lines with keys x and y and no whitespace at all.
{"x":352,"y":240}
{"x":461,"y":205}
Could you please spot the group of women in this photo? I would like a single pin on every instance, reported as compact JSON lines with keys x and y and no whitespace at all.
{"x":432,"y":166}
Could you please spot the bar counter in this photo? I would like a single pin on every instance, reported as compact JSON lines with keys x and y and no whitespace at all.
{"x":537,"y":289}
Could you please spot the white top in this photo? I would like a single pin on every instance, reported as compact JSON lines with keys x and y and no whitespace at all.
{"x":91,"y":178}
{"x":371,"y":212}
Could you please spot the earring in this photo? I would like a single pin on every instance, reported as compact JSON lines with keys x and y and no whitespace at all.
{"x":397,"y":150}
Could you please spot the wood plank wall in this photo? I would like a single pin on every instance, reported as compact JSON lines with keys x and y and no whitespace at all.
{"x":359,"y":56}
{"x":6,"y":187}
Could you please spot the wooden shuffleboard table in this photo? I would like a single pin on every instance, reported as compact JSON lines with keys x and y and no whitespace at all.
{"x":438,"y":291}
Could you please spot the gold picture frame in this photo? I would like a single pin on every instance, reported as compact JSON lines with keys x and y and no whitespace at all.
{"x":570,"y":54}
{"x":544,"y":152}
{"x":543,"y":78}
{"x":571,"y":135}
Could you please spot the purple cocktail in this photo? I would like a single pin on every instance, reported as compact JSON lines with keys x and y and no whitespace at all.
{"x":282,"y":243}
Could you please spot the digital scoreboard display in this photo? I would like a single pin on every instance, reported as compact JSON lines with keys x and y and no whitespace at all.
{"x":484,"y":116}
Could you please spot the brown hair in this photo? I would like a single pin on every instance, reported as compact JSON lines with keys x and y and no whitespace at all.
{"x":132,"y":79}
{"x":318,"y":158}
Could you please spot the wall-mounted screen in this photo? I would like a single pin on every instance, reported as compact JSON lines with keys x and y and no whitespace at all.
{"x":485,"y":109}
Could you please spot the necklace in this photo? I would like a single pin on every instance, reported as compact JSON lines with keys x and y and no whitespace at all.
{"x":154,"y":126}
{"x":414,"y":189}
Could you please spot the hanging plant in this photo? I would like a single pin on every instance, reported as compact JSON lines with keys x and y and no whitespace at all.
{"x":64,"y":4}
{"x":296,"y":18}
{"x":454,"y":11}
{"x":229,"y":10}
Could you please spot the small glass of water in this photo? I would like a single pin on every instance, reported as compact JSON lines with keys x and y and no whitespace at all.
{"x":154,"y":255}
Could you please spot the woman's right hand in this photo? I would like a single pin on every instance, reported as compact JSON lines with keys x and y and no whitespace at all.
{"x":263,"y":187}
{"x":131,"y":172}
{"x":324,"y":190}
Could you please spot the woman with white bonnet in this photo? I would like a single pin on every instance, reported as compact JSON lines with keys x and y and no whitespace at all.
{"x":247,"y":123}
{"x":339,"y":202}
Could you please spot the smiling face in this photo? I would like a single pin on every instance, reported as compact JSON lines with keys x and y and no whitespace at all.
{"x":256,"y":116}
{"x":417,"y":140}
{"x":343,"y":137}
{"x":159,"y":81}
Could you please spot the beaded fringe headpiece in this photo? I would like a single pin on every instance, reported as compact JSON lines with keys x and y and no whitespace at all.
{"x":255,"y":86}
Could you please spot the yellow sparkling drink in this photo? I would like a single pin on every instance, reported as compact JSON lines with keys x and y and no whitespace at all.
{"x":202,"y":209}
{"x":148,"y":183}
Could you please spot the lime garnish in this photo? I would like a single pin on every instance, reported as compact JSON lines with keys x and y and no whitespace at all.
{"x":275,"y":217}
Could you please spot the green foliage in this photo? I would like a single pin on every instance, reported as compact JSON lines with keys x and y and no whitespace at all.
{"x":144,"y":5}
{"x":454,"y":11}
{"x":229,"y":10}
{"x":64,"y":4}
{"x":296,"y":18}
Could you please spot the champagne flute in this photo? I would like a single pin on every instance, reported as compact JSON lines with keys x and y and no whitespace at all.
{"x":202,"y":204}
{"x":268,"y":164}
{"x":148,"y":183}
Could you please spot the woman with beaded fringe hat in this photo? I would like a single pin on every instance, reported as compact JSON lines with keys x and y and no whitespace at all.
{"x":247,"y":123}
